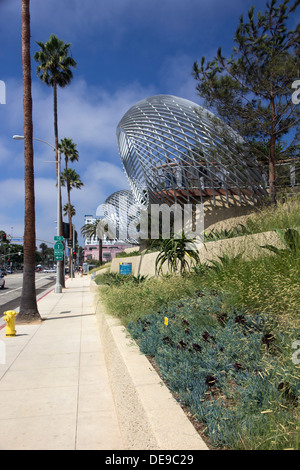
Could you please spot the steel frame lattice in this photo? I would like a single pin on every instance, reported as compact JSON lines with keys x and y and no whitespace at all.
{"x":175,"y":151}
{"x":122,"y":213}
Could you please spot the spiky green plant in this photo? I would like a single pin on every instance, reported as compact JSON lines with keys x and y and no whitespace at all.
{"x":178,"y":253}
{"x":290,"y":237}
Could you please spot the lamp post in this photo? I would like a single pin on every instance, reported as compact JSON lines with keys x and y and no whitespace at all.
{"x":58,"y":286}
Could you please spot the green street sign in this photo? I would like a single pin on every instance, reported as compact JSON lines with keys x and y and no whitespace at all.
{"x":58,"y":246}
{"x":58,"y":238}
{"x":58,"y":256}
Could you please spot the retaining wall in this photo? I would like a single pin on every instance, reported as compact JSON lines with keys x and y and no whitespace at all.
{"x":249,"y":246}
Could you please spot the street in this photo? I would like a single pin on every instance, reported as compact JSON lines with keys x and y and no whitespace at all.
{"x":11,"y":294}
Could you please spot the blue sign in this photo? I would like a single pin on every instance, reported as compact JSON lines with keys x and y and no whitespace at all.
{"x":125,"y":268}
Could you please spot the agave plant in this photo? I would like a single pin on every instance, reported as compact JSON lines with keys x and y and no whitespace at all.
{"x":139,"y":279}
{"x":179,"y":254}
{"x":215,"y":235}
{"x":225,"y":262}
{"x":290,"y":237}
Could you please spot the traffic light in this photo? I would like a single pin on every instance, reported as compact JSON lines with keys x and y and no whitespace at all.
{"x":74,"y":254}
{"x":66,"y":229}
{"x":3,"y":237}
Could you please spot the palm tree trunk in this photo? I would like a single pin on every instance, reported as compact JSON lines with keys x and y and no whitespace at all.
{"x":28,"y":306}
{"x":69,"y":214}
{"x":55,"y":126}
{"x":100,"y":251}
{"x":70,"y":225}
{"x":60,"y":264}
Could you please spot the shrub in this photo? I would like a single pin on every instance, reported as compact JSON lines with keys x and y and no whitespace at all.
{"x":178,"y":253}
{"x":127,"y":300}
{"x":232,"y":369}
{"x":117,"y":279}
{"x":282,"y":216}
{"x":124,"y":254}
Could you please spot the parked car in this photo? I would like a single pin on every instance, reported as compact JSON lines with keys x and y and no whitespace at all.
{"x":2,"y":281}
{"x":49,"y":270}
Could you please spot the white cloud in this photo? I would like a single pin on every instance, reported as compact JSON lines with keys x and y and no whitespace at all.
{"x":91,"y":114}
{"x":100,"y":180}
{"x":87,"y":115}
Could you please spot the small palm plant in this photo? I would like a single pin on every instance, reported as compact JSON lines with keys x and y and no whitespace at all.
{"x":180,"y":254}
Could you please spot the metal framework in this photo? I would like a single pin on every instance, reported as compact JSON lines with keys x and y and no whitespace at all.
{"x":122,"y":215}
{"x":174,"y":151}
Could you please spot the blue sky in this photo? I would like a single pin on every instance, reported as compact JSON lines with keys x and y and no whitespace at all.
{"x":125,"y":50}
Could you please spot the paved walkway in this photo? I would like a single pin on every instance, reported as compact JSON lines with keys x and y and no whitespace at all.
{"x":54,"y":387}
{"x":76,"y":380}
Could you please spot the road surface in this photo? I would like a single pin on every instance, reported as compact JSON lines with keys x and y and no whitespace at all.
{"x":11,"y":294}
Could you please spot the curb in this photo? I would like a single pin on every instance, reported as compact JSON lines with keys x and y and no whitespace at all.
{"x":3,"y":324}
{"x":149,"y":416}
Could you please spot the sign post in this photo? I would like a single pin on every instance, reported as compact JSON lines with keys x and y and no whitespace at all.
{"x":58,"y":249}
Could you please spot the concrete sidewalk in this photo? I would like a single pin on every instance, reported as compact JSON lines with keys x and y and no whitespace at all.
{"x":74,"y":382}
{"x":54,"y":387}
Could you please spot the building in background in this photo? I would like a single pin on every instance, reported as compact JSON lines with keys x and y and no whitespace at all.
{"x":109,"y":248}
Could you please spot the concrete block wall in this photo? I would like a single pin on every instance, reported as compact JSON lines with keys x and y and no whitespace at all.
{"x":247,"y":245}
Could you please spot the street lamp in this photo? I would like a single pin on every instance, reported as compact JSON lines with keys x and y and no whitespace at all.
{"x":58,"y":287}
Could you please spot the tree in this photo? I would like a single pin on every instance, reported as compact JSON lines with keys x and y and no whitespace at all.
{"x":55,"y":69}
{"x":28,"y":305}
{"x":66,"y":210}
{"x":179,"y":254}
{"x":255,"y":82}
{"x":90,"y":230}
{"x":68,"y":148}
{"x":71,"y":179}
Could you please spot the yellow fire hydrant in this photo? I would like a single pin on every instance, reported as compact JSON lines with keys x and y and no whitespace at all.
{"x":9,"y":318}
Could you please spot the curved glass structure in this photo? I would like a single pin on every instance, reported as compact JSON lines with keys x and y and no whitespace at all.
{"x":121,"y":212}
{"x":174,"y":151}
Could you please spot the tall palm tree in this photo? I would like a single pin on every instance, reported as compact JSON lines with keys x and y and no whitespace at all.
{"x":55,"y":69}
{"x":68,"y":148}
{"x":28,"y":305}
{"x":66,"y":210}
{"x":71,"y":179}
{"x":90,"y":230}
